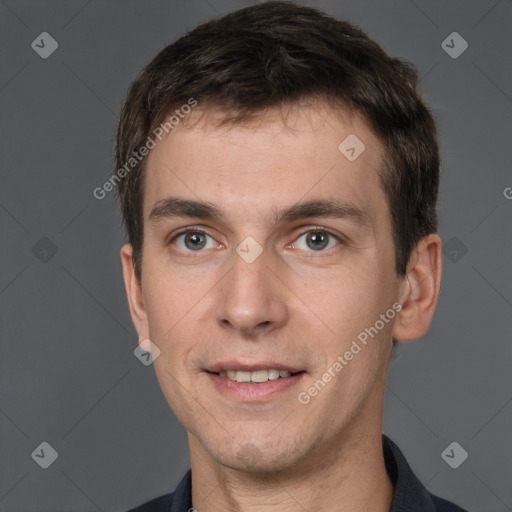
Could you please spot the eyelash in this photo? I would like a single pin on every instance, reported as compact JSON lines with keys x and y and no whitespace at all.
{"x":190,"y":229}
{"x":202,"y":231}
{"x":319,"y":229}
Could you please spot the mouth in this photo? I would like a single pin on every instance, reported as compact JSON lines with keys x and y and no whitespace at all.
{"x":257,"y":376}
{"x":253,"y":383}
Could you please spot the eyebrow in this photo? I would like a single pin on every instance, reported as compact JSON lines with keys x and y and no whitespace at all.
{"x":176,"y":207}
{"x":328,"y":208}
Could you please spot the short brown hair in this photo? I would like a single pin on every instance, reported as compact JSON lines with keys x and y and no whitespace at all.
{"x":278,"y":53}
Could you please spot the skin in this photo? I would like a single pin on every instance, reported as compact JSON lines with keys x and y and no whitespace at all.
{"x":293,"y":304}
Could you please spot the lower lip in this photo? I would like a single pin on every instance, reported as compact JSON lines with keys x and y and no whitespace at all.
{"x":250,"y":391}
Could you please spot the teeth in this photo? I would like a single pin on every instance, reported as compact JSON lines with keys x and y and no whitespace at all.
{"x":273,"y":374}
{"x":259,"y":376}
{"x":256,"y":376}
{"x":243,"y":376}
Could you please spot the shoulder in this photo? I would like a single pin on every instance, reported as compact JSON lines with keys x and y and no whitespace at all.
{"x":161,"y":504}
{"x":442,"y":505}
{"x":178,"y":501}
{"x":410,"y":494}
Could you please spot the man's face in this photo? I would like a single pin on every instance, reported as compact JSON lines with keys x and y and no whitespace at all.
{"x":288,"y":262}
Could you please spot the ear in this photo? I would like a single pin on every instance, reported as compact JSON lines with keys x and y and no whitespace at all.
{"x":420,"y":290}
{"x":134,"y":293}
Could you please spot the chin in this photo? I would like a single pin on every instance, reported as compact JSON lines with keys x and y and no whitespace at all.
{"x":257,"y":457}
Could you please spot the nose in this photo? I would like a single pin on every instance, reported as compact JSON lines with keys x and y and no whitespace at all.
{"x":252,"y":300}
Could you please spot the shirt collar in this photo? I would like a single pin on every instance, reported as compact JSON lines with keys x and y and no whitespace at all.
{"x":409,"y":493}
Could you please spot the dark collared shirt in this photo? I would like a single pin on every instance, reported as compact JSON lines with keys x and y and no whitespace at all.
{"x":409,"y":495}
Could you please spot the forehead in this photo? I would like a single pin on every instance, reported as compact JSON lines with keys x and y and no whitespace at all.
{"x":276,"y":159}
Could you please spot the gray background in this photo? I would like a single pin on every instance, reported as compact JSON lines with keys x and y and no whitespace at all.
{"x":68,"y":373}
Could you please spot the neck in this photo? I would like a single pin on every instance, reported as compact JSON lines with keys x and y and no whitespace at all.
{"x":348,"y":476}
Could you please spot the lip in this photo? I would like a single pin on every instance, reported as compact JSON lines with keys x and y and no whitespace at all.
{"x":249,"y":392}
{"x":250,"y":367}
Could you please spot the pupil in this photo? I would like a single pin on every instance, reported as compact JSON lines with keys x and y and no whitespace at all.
{"x":195,"y":241}
{"x":317,"y":240}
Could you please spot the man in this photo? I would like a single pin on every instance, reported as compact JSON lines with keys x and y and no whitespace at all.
{"x":278,"y":177}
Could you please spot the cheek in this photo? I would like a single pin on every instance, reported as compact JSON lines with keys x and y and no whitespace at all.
{"x":346,"y":298}
{"x":171,"y":289}
{"x":174,"y":306}
{"x":172,"y":300}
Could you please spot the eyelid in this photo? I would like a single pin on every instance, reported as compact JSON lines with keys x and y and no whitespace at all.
{"x":330,"y":232}
{"x":189,"y":229}
{"x":303,"y":231}
{"x":338,"y":237}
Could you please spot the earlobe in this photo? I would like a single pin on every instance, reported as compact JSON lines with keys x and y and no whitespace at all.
{"x":134,"y":293}
{"x":420,"y":290}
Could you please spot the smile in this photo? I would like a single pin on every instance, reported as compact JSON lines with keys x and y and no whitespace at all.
{"x":257,"y":376}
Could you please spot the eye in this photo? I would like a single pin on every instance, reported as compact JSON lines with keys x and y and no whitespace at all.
{"x":194,"y":241}
{"x":316,"y":240}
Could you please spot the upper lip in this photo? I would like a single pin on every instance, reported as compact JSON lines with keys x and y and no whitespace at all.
{"x":250,"y":367}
